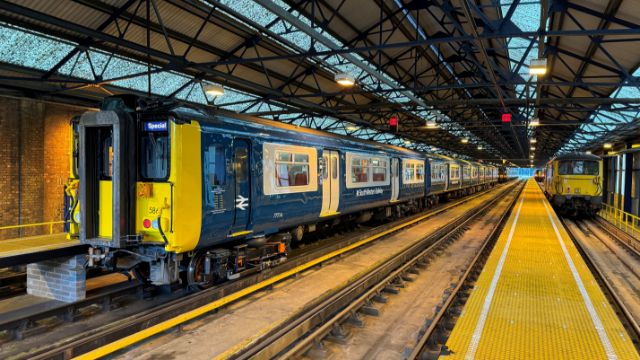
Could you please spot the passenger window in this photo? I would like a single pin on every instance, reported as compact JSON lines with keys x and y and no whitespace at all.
{"x":216,"y":172}
{"x":379,"y":168}
{"x":241,"y":164}
{"x":419,"y":172}
{"x":409,"y":172}
{"x":360,"y":170}
{"x":292,"y":169}
{"x":334,"y":167}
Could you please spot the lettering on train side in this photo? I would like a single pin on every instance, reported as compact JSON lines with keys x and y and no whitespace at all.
{"x":369,"y":192}
{"x":278,"y":215}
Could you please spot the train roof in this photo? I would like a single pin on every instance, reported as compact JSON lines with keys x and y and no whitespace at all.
{"x":187,"y":112}
{"x":577,"y":156}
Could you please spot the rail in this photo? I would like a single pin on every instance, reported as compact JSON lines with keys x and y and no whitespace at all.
{"x":623,"y":220}
{"x":51,"y":224}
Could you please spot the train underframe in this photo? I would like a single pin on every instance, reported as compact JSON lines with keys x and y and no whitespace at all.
{"x":576,"y":206}
{"x":205,"y":267}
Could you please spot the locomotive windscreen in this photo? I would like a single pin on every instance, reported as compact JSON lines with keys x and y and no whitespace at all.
{"x":154,"y":151}
{"x":578,"y":167}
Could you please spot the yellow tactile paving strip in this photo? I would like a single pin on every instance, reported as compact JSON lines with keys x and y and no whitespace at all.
{"x":536,"y":309}
{"x":31,"y":244}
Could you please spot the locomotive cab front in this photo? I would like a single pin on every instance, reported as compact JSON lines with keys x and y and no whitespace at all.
{"x":127,"y":190}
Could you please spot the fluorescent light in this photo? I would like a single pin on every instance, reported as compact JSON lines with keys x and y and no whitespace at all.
{"x":588,"y":152}
{"x":407,"y":142}
{"x":533,"y":148}
{"x":607,"y":145}
{"x":531,"y":156}
{"x":534,"y":122}
{"x":464,"y":140}
{"x":533,"y":141}
{"x":538,"y":67}
{"x":430,"y":124}
{"x":480,"y":147}
{"x":345,"y":79}
{"x":351,"y":127}
{"x":213,"y":90}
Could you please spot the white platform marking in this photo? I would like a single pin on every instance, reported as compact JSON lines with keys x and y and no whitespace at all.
{"x":604,"y":339}
{"x":477,"y":333}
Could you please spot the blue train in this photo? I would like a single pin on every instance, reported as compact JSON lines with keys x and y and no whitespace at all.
{"x":178,"y":193}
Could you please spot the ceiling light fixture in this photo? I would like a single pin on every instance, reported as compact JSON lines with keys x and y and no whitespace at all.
{"x":533,"y":141}
{"x":607,"y":145}
{"x":464,"y":140}
{"x":538,"y":67}
{"x":534,"y":122}
{"x":213,"y":90}
{"x":431,"y":124}
{"x":345,"y":79}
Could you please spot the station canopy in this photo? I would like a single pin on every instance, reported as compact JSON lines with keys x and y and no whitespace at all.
{"x":449,"y":71}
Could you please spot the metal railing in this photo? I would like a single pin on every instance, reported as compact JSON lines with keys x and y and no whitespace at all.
{"x":50,"y":224}
{"x":624,"y":221}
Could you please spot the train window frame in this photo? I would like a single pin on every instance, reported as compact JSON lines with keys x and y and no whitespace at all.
{"x":564,"y":172}
{"x":217,"y":149}
{"x":169,"y":150}
{"x":270,"y":185}
{"x":454,"y":169}
{"x":410,"y":167}
{"x":437,"y":172}
{"x":367,"y":161}
{"x":291,"y":160}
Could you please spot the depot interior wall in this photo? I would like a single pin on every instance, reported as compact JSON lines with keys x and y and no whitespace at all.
{"x":34,"y":162}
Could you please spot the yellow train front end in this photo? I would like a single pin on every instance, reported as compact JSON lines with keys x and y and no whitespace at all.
{"x":134,"y":193}
{"x":573,"y":184}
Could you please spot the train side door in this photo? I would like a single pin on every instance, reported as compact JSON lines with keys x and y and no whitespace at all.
{"x":218,"y":191}
{"x":395,"y":179}
{"x":445,"y":173}
{"x":242,"y":189}
{"x":330,"y":183}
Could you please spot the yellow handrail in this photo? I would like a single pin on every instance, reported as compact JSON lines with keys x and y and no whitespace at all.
{"x":623,"y":220}
{"x":20,"y":226}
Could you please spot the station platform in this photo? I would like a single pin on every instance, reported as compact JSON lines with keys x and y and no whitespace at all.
{"x":37,"y":248}
{"x":536,"y":298}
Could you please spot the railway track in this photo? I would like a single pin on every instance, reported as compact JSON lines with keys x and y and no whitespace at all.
{"x":329,"y":318}
{"x":615,"y":264}
{"x":12,"y":283}
{"x":87,"y":340}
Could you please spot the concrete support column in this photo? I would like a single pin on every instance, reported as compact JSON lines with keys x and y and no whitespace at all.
{"x":61,"y":279}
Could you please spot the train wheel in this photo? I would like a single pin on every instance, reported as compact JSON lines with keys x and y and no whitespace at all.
{"x":142,"y":272}
{"x":196,"y":277}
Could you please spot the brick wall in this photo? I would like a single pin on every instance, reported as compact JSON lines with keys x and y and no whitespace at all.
{"x":34,"y":162}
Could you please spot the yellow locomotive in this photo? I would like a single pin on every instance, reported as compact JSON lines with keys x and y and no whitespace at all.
{"x":573,"y":183}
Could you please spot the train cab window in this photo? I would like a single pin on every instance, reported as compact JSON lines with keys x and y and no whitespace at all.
{"x":215,"y":160}
{"x":154,"y":152}
{"x":577,"y":167}
{"x":292,"y":169}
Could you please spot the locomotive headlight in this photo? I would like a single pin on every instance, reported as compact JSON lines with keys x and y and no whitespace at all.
{"x":76,"y":217}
